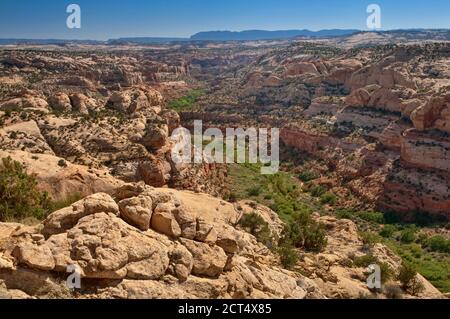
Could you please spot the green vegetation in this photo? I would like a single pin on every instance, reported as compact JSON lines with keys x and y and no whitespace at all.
{"x":255,"y":225}
{"x":328,"y":198}
{"x":364,"y":261}
{"x":408,"y":235}
{"x":283,"y":194}
{"x":435,"y":267}
{"x":409,"y":280}
{"x":369,"y":239}
{"x":288,"y":256}
{"x":437,"y":244}
{"x":368,"y":216}
{"x":19,"y":196}
{"x":304,"y":232}
{"x":387,"y":273}
{"x":186,"y":102}
{"x":388,"y":231}
{"x":307,"y":176}
{"x":318,"y":191}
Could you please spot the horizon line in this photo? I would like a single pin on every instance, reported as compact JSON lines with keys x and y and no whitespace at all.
{"x":231,"y":31}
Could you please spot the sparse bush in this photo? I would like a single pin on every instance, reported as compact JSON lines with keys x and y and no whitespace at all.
{"x":288,"y":256}
{"x":318,"y":191}
{"x":307,"y":176}
{"x":387,"y":273}
{"x":409,"y":279}
{"x":258,"y":227}
{"x":19,"y":196}
{"x":369,"y":239}
{"x":254,"y":191}
{"x":388,"y":231}
{"x":344,"y":214}
{"x":373,"y":217}
{"x":252,"y":223}
{"x":62,"y":163}
{"x":328,"y":198}
{"x":393,"y":291}
{"x":304,"y":232}
{"x":438,"y":244}
{"x":408,"y":235}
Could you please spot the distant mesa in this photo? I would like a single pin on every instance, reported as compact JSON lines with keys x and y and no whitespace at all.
{"x":253,"y":35}
{"x":248,"y":35}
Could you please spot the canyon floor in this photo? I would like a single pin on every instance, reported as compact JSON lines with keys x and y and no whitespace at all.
{"x":87,"y":178}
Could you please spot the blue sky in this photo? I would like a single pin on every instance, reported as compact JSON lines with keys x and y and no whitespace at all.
{"x":103,"y":19}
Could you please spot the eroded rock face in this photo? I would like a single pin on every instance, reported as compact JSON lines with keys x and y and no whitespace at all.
{"x":134,"y":100}
{"x":61,"y":102}
{"x":137,"y":211}
{"x":68,"y":217}
{"x":435,"y":113}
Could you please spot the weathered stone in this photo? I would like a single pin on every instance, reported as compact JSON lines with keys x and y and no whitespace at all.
{"x":208,"y":261}
{"x":137,"y":211}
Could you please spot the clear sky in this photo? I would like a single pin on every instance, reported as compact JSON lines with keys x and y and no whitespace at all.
{"x":104,"y":19}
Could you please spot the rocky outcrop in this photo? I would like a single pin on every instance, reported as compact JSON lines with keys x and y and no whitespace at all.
{"x":25,"y":136}
{"x":60,"y":102}
{"x":62,"y":179}
{"x":146,"y":262}
{"x":433,"y":114}
{"x":134,"y":100}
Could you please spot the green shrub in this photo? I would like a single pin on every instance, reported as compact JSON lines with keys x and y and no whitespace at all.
{"x":307,"y":176}
{"x":288,"y":256}
{"x":318,"y":191}
{"x":409,"y":279}
{"x":252,"y":223}
{"x":258,"y":227}
{"x":328,"y":198}
{"x":408,"y":235}
{"x":438,"y":244}
{"x":254,"y":191}
{"x":373,"y":217}
{"x":369,"y":239}
{"x":388,"y":231}
{"x":387,"y":273}
{"x":304,"y":232}
{"x":344,"y":214}
{"x":19,"y":196}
